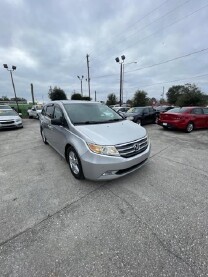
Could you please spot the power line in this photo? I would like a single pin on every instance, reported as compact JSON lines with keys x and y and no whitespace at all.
{"x":172,"y":81}
{"x":156,"y":64}
{"x":139,"y":20}
{"x":157,"y":19}
{"x":173,"y":23}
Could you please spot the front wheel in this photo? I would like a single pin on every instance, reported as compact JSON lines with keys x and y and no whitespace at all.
{"x":189,"y":127}
{"x":74,"y":163}
{"x":43,"y":136}
{"x":139,"y":121}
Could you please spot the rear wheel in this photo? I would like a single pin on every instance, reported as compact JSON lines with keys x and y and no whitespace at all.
{"x":74,"y":163}
{"x":190,"y":127}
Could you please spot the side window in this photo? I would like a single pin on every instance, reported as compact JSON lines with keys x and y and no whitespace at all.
{"x":205,"y":110}
{"x":146,"y":111}
{"x":49,"y":111}
{"x":197,"y":111}
{"x":43,"y":111}
{"x":151,"y":110}
{"x":57,"y":113}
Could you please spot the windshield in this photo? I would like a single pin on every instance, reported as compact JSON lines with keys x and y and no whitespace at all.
{"x":91,"y":113}
{"x":135,"y":110}
{"x":2,"y":107}
{"x":8,"y":113}
{"x":178,"y":110}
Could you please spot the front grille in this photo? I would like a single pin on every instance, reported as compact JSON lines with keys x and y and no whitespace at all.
{"x":7,"y":122}
{"x":132,"y":148}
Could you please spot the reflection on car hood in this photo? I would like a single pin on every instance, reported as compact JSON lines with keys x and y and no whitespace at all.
{"x":112,"y":133}
{"x":9,"y":117}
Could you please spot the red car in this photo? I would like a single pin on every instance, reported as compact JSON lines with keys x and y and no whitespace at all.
{"x":186,"y":118}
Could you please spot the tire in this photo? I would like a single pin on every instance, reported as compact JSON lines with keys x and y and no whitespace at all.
{"x":43,"y":136}
{"x":30,"y":117}
{"x":74,"y":163}
{"x":190,"y":127}
{"x":138,"y":121}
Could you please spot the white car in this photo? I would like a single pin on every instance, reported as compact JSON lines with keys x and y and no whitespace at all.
{"x":10,"y":119}
{"x":35,"y":111}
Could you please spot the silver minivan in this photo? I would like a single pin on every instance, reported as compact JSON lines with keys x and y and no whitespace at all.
{"x":97,"y":142}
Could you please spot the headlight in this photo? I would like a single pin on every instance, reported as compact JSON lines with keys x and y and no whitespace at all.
{"x":130,"y":117}
{"x":103,"y":150}
{"x":18,"y":120}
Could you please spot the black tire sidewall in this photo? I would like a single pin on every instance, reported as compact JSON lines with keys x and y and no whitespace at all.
{"x":80,"y":175}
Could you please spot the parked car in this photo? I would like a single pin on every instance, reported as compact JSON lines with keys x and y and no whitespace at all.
{"x":120,"y":109}
{"x":141,"y":115}
{"x":186,"y":118}
{"x":35,"y":111}
{"x":5,"y":107}
{"x":97,"y":142}
{"x":162,"y":109}
{"x":10,"y":119}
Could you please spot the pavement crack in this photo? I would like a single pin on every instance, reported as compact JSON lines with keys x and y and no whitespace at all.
{"x":160,"y":241}
{"x":48,"y":217}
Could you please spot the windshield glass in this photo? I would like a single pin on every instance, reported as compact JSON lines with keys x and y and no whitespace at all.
{"x":3,"y":107}
{"x":8,"y":113}
{"x":135,"y":110}
{"x":91,"y":113}
{"x":178,"y":110}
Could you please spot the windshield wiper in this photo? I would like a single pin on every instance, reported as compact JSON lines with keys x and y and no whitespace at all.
{"x":86,"y":122}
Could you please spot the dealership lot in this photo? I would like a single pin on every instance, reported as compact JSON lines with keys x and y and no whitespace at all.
{"x":153,"y":222}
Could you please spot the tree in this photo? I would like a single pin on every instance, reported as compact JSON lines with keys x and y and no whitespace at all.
{"x":140,"y":98}
{"x":76,"y":96}
{"x":112,"y":99}
{"x":5,"y":98}
{"x":56,"y":94}
{"x":191,"y":96}
{"x":173,"y":94}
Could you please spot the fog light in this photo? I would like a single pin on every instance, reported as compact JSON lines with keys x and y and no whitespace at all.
{"x":109,"y":172}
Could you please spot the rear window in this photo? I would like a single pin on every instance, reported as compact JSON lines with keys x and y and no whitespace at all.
{"x":178,"y":110}
{"x":205,"y":110}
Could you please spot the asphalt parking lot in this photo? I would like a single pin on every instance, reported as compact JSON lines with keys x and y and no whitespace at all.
{"x":153,"y":222}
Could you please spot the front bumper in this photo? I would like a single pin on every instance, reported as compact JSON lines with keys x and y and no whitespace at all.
{"x":11,"y":125}
{"x":101,"y":167}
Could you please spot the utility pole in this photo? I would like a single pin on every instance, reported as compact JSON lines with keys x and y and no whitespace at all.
{"x":88,"y":73}
{"x":95,"y":96}
{"x":33,"y":100}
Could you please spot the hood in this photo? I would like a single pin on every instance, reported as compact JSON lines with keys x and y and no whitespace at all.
{"x":112,"y":133}
{"x":10,"y":117}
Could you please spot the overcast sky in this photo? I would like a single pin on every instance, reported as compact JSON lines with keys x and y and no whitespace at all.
{"x":48,"y":41}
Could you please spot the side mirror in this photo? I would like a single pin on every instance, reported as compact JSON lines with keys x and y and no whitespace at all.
{"x":20,"y":114}
{"x":56,"y":121}
{"x":33,"y":109}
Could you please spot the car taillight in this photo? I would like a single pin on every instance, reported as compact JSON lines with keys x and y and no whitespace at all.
{"x":178,"y":118}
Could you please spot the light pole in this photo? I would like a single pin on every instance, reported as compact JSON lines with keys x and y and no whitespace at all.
{"x":80,"y":78}
{"x":121,"y":76}
{"x":10,"y":70}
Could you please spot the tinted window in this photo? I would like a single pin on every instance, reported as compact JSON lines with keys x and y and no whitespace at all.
{"x":57,"y":113}
{"x":151,"y":110}
{"x":146,"y":110}
{"x":197,"y":111}
{"x":43,"y":111}
{"x":178,"y":110}
{"x":135,"y":110}
{"x":49,"y":111}
{"x":205,"y":110}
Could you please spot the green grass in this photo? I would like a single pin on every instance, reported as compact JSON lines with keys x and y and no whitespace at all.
{"x":22,"y":109}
